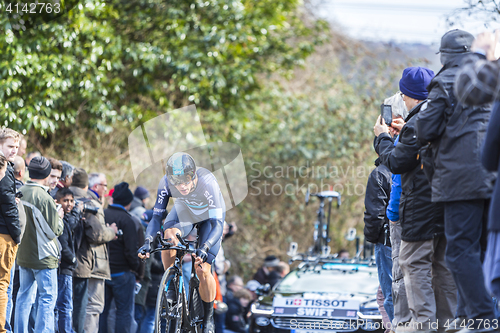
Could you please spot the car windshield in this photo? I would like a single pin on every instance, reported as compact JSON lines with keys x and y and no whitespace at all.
{"x":332,"y":278}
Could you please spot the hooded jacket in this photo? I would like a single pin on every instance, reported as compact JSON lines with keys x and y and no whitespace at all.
{"x":457,"y":133}
{"x":421,"y":219}
{"x":9,"y":213}
{"x":40,"y":248}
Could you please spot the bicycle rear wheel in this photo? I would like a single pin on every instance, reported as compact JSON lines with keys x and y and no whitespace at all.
{"x":168,"y":318}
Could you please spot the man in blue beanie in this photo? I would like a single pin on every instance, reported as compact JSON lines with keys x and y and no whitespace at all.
{"x":430,"y":288}
{"x":459,"y":181}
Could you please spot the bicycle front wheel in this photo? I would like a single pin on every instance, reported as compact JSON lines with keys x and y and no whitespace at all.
{"x":168,"y":316}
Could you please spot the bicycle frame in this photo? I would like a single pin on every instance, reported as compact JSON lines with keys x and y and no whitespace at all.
{"x":188,"y":308}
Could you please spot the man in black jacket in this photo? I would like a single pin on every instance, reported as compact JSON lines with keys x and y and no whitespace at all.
{"x":459,"y":181}
{"x":429,"y":285}
{"x":123,"y":261}
{"x":477,"y":83}
{"x":378,"y":192}
{"x":10,"y":230}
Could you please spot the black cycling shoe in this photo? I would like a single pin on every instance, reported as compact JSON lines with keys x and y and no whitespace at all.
{"x":208,"y":317}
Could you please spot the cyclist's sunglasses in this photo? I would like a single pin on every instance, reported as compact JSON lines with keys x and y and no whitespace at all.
{"x":181,"y":180}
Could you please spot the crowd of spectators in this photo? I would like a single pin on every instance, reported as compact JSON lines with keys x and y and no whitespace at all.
{"x":67,"y":262}
{"x":69,"y":252}
{"x":431,"y":202}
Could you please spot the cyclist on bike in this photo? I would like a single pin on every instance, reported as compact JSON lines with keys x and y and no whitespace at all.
{"x":198,"y":200}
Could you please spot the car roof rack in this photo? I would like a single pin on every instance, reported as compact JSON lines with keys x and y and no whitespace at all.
{"x":308,"y":260}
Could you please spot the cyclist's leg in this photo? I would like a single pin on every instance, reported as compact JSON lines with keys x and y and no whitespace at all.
{"x":207,"y":281}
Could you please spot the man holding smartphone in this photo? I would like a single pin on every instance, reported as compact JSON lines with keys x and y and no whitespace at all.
{"x":431,"y":300}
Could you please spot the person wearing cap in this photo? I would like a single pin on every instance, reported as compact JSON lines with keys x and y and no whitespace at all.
{"x":429,"y":284}
{"x":141,"y":198}
{"x":263,"y":275}
{"x":478,"y":83}
{"x":123,"y":261}
{"x":460,"y":183}
{"x":90,"y":237}
{"x":38,"y":254}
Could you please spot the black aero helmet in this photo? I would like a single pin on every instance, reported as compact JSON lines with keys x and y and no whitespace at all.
{"x":181,"y":168}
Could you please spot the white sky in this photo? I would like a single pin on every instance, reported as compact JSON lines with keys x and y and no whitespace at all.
{"x":413,"y":21}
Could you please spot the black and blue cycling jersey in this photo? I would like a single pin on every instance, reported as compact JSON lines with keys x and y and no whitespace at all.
{"x":204,"y":204}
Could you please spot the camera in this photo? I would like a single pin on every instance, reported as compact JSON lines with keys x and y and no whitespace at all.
{"x":87,"y":207}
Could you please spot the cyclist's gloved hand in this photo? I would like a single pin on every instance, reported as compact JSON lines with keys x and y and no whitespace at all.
{"x":202,"y":252}
{"x":146,"y":248}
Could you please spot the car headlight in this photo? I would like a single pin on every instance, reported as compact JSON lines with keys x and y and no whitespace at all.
{"x":261,"y":309}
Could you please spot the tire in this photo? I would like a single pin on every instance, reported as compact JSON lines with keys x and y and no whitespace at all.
{"x":172,"y":316}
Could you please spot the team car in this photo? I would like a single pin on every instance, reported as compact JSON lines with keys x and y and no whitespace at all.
{"x":322,"y":295}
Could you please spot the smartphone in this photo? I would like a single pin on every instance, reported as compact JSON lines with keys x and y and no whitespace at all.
{"x":386,"y":114}
{"x":137,"y":288}
{"x":58,"y":206}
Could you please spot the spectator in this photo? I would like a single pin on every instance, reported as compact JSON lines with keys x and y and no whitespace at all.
{"x":91,"y":236}
{"x":3,"y":166}
{"x":101,"y":272}
{"x":10,"y":229}
{"x":141,"y":199}
{"x":19,"y":171}
{"x":143,"y":314}
{"x":123,"y":261}
{"x":55,"y":173}
{"x":460,"y":182}
{"x":477,"y":84}
{"x":109,"y":197}
{"x":233,"y":284}
{"x":376,"y":230}
{"x":252,"y":286}
{"x":147,"y":323}
{"x":236,"y":314}
{"x":399,"y":300}
{"x":22,"y":147}
{"x":38,"y":253}
{"x":262,"y":275}
{"x":98,"y":186}
{"x":283,"y":269}
{"x":66,"y":178}
{"x":31,"y":155}
{"x":423,"y":242}
{"x":64,"y":303}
